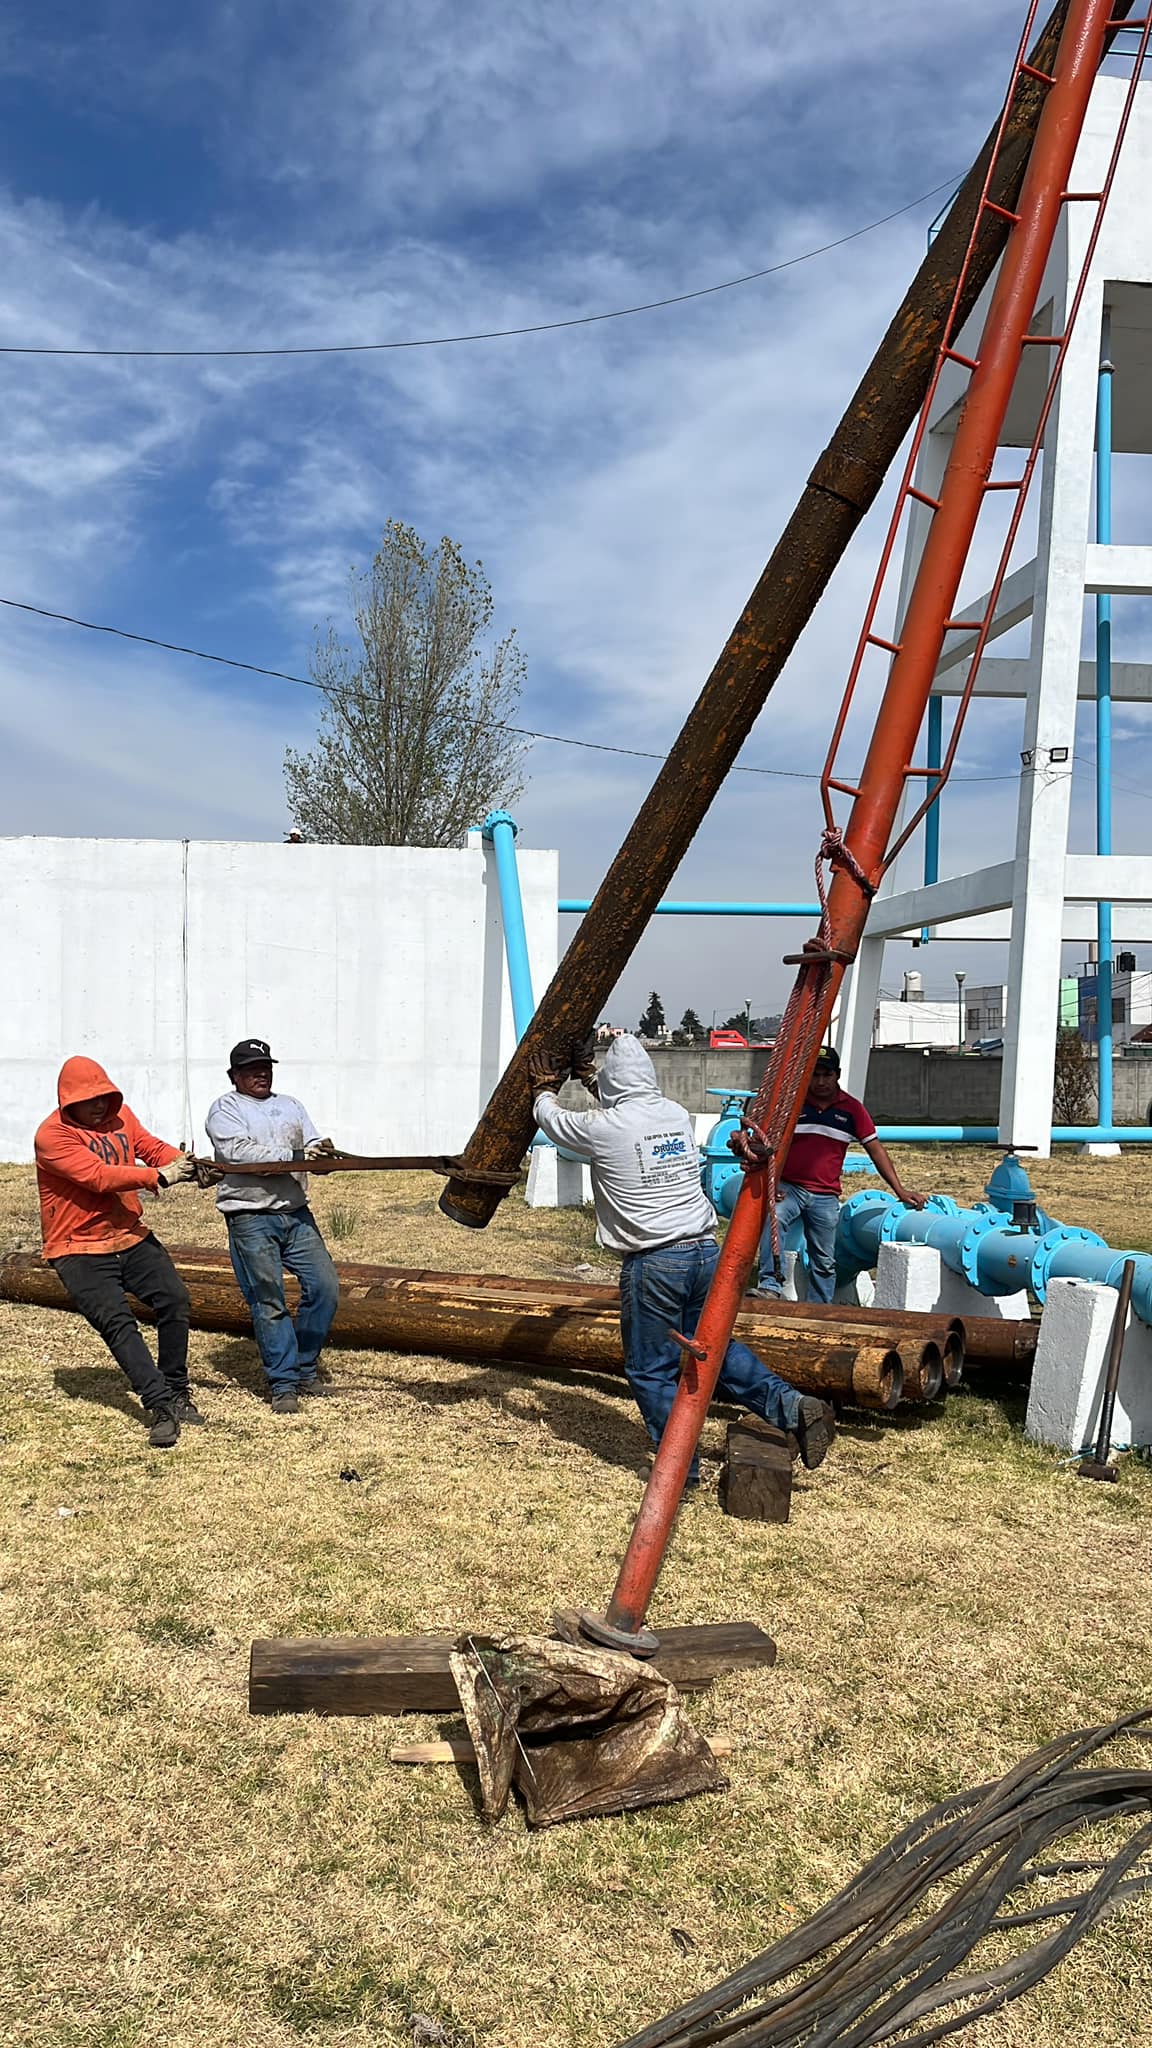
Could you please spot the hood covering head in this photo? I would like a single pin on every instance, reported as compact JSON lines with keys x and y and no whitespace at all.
{"x":627,"y":1073}
{"x":81,"y":1079}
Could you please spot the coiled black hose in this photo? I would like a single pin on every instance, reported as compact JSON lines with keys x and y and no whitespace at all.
{"x":876,"y":1963}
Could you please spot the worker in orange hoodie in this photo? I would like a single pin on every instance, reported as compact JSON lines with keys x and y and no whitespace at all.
{"x":97,"y":1242}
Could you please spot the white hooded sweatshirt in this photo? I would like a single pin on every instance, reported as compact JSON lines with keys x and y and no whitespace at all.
{"x":642,"y":1151}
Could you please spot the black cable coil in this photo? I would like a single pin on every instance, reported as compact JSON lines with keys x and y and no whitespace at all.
{"x":880,"y":1967}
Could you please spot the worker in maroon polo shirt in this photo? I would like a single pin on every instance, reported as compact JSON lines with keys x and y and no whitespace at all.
{"x":809,"y":1187}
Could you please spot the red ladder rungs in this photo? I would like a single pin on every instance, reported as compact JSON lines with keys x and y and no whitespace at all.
{"x":1006,"y":483}
{"x":1043,"y":341}
{"x":1033,"y":71}
{"x":923,"y":498}
{"x":1005,"y":212}
{"x":890,"y":646}
{"x":953,"y":356}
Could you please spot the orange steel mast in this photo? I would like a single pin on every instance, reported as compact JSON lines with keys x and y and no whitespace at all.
{"x":859,"y":856}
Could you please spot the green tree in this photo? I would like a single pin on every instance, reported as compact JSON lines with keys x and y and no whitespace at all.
{"x":690,"y":1029}
{"x":414,"y":743}
{"x":652,"y":1022}
{"x":739,"y":1022}
{"x":1073,"y":1082}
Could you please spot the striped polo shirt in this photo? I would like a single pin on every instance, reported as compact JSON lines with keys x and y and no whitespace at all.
{"x":822,"y":1136}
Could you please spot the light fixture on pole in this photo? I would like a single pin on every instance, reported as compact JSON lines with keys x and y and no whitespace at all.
{"x":961,"y":978}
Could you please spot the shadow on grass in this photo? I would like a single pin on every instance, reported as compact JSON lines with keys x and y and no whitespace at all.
{"x":565,"y":1409}
{"x":104,"y":1386}
{"x":238,"y":1360}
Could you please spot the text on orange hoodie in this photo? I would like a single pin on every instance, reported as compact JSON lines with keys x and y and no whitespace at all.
{"x":88,"y":1178}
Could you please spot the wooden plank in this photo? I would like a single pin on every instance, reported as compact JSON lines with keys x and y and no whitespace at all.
{"x":461,"y":1751}
{"x":410,"y":1674}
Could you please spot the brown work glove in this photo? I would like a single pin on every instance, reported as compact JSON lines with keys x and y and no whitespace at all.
{"x":175,"y":1170}
{"x":320,"y":1148}
{"x":545,"y":1073}
{"x":584,"y":1063}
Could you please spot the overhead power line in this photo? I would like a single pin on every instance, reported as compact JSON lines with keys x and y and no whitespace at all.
{"x":352,"y":348}
{"x":281,"y":675}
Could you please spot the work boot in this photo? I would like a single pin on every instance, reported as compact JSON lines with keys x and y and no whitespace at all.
{"x":187,"y":1411}
{"x":284,"y":1401}
{"x":814,"y":1431}
{"x":165,"y":1428}
{"x":316,"y":1389}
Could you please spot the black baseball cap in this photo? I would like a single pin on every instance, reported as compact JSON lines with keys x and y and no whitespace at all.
{"x":828,"y":1057}
{"x":251,"y":1052}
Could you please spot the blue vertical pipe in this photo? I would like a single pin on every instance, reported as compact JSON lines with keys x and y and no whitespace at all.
{"x":1104,"y":725}
{"x":499,"y":829}
{"x":932,"y":820}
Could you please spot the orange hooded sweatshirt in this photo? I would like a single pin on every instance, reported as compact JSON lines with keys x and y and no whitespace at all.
{"x":88,"y":1179}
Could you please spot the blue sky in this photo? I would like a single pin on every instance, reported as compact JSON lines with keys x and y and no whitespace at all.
{"x":271,"y":173}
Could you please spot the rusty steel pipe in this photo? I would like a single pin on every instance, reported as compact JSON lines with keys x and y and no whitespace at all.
{"x":494,"y":1319}
{"x":921,"y":1353}
{"x":990,"y":1342}
{"x":839,"y":492}
{"x":895,"y":732}
{"x":924,"y":1376}
{"x":952,"y":1354}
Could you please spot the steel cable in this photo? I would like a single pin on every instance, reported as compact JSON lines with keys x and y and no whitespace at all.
{"x":879,"y":1959}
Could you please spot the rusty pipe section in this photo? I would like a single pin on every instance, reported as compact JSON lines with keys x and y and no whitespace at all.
{"x":840,"y":490}
{"x":547,"y":1325}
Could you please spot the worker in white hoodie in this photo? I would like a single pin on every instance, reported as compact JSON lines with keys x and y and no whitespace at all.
{"x":651,"y":1208}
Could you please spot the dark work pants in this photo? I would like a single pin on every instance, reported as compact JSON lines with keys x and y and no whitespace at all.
{"x":100,"y":1283}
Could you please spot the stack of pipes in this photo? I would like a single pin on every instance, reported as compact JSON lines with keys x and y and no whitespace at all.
{"x":846,"y":1353}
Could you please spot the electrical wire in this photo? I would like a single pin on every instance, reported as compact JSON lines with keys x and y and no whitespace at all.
{"x":352,"y":348}
{"x":283,"y":675}
{"x":889,"y":1951}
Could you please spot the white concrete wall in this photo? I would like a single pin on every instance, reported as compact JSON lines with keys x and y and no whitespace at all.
{"x":376,"y":973}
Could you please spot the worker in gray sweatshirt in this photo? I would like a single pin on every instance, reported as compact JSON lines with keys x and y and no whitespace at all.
{"x":651,"y":1208}
{"x":270,"y":1226}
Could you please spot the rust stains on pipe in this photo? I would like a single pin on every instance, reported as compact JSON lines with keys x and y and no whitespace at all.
{"x":546,"y":1325}
{"x":840,"y":490}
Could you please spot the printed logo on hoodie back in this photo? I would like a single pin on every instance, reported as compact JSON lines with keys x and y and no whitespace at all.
{"x":665,"y":1159}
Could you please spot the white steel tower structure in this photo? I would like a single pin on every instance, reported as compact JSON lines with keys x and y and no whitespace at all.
{"x":1045,"y":895}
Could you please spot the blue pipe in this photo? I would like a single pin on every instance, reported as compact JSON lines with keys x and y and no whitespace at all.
{"x":577,"y":905}
{"x":932,"y":820}
{"x":499,"y":829}
{"x":1105,"y":1109}
{"x":988,"y":1134}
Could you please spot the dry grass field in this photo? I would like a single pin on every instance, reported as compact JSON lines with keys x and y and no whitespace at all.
{"x":177,"y":1875}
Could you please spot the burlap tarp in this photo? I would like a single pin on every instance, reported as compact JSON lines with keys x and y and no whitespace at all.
{"x":578,"y":1732}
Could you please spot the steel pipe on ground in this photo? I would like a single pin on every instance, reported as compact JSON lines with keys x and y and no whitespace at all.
{"x":493,"y":1318}
{"x":839,"y":492}
{"x":906,"y":1330}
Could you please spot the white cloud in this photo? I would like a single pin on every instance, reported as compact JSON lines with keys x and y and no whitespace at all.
{"x":624,"y":483}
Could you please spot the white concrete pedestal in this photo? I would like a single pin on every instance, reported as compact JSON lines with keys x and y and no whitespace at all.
{"x":914,"y":1276}
{"x":555,"y":1183}
{"x":1071,"y":1362}
{"x":795,"y":1288}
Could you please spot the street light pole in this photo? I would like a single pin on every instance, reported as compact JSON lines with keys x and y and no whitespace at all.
{"x":961,"y":978}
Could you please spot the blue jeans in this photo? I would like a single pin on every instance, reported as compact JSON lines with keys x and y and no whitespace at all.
{"x":262,"y":1242}
{"x":665,"y":1290}
{"x":819,"y":1216}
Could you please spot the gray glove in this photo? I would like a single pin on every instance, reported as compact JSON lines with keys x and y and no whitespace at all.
{"x":320,"y":1148}
{"x":178,"y":1169}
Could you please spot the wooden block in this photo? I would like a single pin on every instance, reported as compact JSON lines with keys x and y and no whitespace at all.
{"x":410,"y":1674}
{"x":756,"y":1479}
